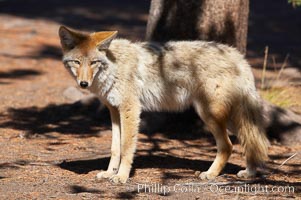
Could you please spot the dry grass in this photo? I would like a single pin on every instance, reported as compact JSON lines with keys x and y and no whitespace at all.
{"x":284,"y":96}
{"x":281,"y":97}
{"x":266,"y":53}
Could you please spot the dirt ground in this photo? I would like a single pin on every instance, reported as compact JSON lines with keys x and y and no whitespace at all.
{"x":52,"y":147}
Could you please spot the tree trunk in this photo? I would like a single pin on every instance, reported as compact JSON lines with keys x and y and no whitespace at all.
{"x":218,"y":20}
{"x":224,"y":21}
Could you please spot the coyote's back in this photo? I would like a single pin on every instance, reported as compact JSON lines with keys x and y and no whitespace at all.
{"x":178,"y":73}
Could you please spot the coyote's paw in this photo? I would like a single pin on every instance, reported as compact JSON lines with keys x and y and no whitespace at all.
{"x":105,"y":174}
{"x":246,"y":173}
{"x":118,"y":179}
{"x":207,"y":175}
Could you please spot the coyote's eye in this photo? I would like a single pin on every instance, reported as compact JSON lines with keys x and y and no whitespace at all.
{"x":95,"y":63}
{"x":72,"y":63}
{"x":76,"y":62}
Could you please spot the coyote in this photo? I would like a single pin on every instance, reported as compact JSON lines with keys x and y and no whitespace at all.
{"x":132,"y":77}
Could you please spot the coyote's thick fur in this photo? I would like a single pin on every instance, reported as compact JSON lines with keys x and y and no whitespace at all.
{"x":130,"y":77}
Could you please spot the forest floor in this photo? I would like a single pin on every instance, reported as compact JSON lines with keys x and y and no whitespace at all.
{"x":51,"y":147}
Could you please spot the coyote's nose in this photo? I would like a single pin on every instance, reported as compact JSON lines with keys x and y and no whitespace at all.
{"x":83,"y":84}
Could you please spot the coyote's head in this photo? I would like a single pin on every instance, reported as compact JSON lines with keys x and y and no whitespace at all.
{"x":84,"y":53}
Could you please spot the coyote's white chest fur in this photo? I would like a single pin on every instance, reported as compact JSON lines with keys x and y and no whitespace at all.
{"x":104,"y":86}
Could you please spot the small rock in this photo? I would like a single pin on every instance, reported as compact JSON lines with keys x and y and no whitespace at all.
{"x":73,"y":93}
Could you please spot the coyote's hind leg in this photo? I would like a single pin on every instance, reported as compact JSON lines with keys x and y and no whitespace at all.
{"x":217,"y":126}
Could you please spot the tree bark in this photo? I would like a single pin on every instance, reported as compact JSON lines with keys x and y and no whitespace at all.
{"x":218,"y":20}
{"x":224,"y":21}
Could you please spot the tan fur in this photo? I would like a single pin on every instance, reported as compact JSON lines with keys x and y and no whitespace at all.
{"x":130,"y":77}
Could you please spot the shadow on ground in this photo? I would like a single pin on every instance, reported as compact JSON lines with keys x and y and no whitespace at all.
{"x":45,"y":51}
{"x":171,"y":162}
{"x":147,"y":161}
{"x":6,"y":77}
{"x":65,"y":119}
{"x":76,"y":189}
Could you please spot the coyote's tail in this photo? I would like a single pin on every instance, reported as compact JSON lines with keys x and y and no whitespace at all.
{"x":250,"y":131}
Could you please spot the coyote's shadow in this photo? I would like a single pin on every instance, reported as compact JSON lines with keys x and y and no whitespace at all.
{"x":146,"y":161}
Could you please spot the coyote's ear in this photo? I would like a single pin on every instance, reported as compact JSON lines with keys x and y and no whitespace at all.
{"x":70,"y":38}
{"x":106,"y":39}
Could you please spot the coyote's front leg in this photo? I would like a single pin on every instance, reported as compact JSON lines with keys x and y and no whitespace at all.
{"x":129,"y":118}
{"x":115,"y":146}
